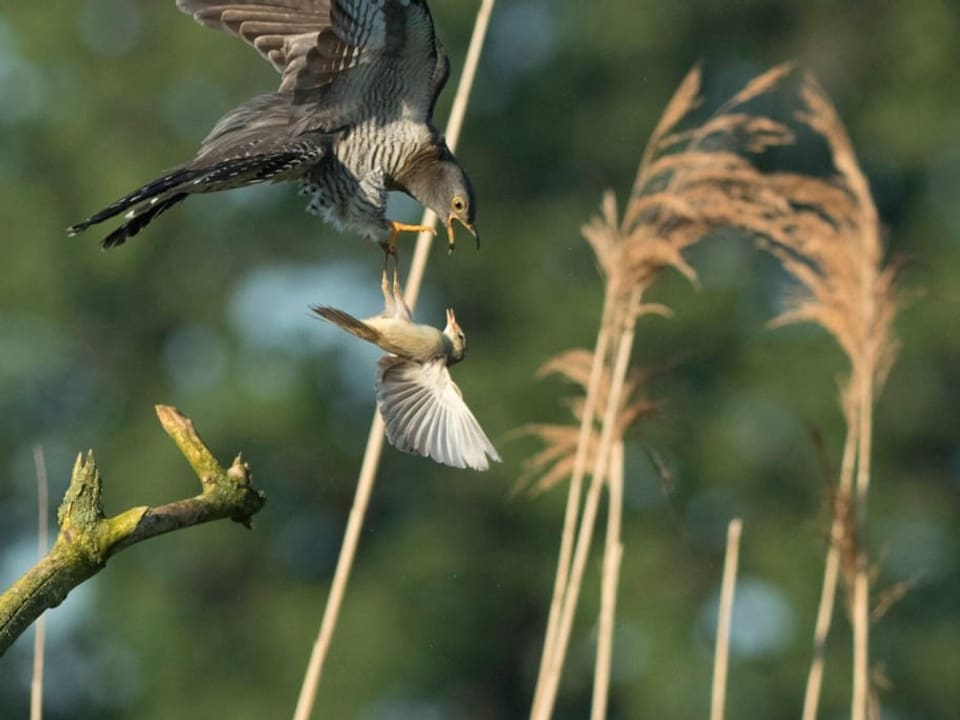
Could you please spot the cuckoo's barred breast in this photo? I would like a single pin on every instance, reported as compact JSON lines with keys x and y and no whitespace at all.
{"x":351,"y":120}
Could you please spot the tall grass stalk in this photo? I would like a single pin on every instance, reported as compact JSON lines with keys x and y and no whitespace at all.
{"x":721,"y":657}
{"x":861,"y":590}
{"x":574,"y":493}
{"x":40,"y":626}
{"x":612,"y":560}
{"x":851,"y":295}
{"x":374,"y":449}
{"x":838,"y":537}
{"x":623,"y":345}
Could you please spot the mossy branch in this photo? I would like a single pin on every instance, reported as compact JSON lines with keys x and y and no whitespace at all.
{"x":88,"y":538}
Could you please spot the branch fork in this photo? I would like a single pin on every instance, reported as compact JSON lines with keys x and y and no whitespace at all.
{"x":88,"y":538}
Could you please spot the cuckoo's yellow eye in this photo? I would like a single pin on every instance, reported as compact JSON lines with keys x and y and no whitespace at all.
{"x":458,"y":204}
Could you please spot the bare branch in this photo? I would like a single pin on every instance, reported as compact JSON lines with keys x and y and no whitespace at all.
{"x":88,"y":538}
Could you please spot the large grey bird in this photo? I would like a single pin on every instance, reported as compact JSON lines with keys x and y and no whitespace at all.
{"x":352,"y":118}
{"x":422,"y":408}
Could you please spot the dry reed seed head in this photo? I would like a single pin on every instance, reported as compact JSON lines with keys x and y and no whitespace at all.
{"x":576,"y":365}
{"x":643,"y":259}
{"x":681,"y":196}
{"x":847,"y":541}
{"x":889,"y":597}
{"x":552,"y":465}
{"x":692,"y":181}
{"x":762,"y":84}
{"x":752,"y":133}
{"x":826,"y":229}
{"x":684,"y":101}
{"x":555,"y":463}
{"x":602,"y":233}
{"x":878,"y":680}
{"x":629,"y":413}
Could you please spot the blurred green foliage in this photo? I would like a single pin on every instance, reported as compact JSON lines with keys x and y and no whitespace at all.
{"x":444,"y":615}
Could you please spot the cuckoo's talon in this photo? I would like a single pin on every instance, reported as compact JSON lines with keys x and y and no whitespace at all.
{"x":398,"y":227}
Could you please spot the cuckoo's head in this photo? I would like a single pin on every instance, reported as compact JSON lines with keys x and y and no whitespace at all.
{"x":438,"y":182}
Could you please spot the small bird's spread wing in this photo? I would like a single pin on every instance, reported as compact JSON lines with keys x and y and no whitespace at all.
{"x":425,"y":414}
{"x":320,"y":47}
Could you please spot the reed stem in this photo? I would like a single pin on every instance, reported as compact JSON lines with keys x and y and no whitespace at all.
{"x":573,"y":498}
{"x":831,"y":574}
{"x":612,"y":560}
{"x":624,"y":346}
{"x":371,"y":458}
{"x":721,"y":658}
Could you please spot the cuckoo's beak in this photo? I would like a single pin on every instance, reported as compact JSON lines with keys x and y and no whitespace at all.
{"x":470,"y":228}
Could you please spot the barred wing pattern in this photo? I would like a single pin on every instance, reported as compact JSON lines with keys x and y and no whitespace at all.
{"x":425,"y":414}
{"x":315,"y":44}
{"x":283,"y":31}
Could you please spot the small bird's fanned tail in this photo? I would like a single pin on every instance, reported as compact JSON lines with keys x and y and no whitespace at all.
{"x":146,"y":203}
{"x":349,"y":323}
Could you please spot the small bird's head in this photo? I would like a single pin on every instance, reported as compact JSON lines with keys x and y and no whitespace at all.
{"x":458,"y":341}
{"x":438,"y":182}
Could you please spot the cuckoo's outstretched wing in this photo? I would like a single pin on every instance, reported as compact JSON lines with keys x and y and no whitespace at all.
{"x":336,"y":50}
{"x":424,"y":413}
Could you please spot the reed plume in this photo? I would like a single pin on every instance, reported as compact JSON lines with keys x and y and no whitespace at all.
{"x":695,"y":178}
{"x":554,"y":463}
{"x":663,"y":217}
{"x":834,"y":250}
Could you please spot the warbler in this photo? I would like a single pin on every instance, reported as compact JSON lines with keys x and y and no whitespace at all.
{"x":422,"y":407}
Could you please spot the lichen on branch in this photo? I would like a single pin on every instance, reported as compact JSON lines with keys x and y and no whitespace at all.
{"x":88,"y":538}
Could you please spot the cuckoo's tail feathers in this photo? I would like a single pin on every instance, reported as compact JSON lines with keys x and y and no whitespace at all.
{"x":140,"y":219}
{"x":149,"y":201}
{"x":147,"y":192}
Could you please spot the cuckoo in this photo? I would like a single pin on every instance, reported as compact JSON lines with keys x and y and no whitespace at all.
{"x":351,"y":120}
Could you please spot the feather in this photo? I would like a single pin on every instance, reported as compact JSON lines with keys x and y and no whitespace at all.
{"x":315,"y":44}
{"x":349,"y":69}
{"x":424,"y":413}
{"x":422,"y":408}
{"x":349,"y":323}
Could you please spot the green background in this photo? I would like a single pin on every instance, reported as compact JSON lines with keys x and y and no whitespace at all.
{"x":207,"y":310}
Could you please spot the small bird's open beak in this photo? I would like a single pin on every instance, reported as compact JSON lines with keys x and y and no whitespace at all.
{"x":470,"y":228}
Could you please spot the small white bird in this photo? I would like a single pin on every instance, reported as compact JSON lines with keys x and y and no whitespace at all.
{"x":421,"y":405}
